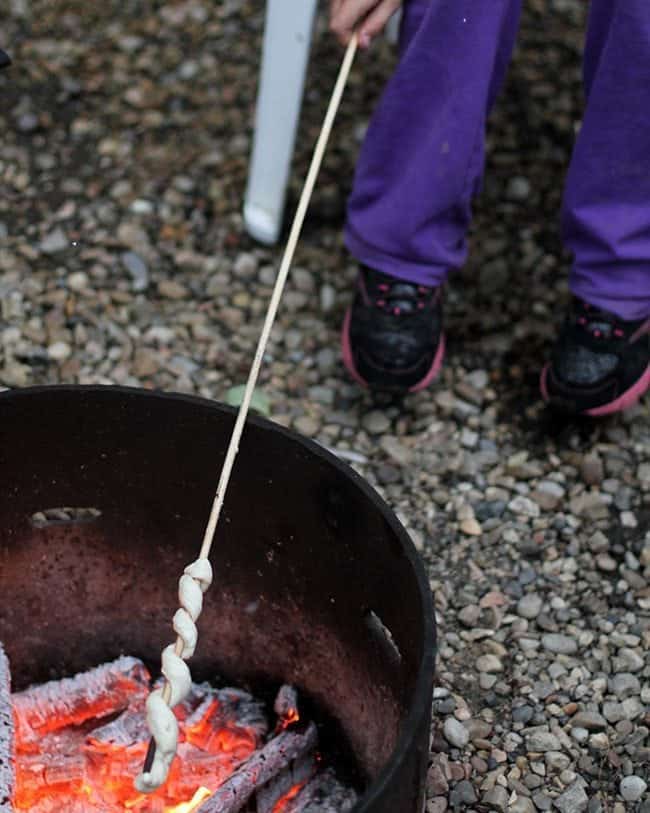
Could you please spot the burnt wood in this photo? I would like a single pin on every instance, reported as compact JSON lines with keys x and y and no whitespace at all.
{"x":299,"y":773}
{"x":259,"y":769}
{"x":323,"y":794}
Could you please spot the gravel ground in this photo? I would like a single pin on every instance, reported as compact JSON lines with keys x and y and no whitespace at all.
{"x":125,"y":137}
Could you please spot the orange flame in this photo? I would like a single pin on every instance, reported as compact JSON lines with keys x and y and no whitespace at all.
{"x":187,"y":807}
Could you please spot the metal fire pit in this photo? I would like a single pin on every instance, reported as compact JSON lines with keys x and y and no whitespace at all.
{"x":311,"y":568}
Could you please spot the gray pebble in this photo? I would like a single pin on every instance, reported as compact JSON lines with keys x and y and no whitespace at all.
{"x":489,"y":663}
{"x":455,"y":733}
{"x":522,"y":714}
{"x":530,"y":605}
{"x":496,"y":799}
{"x":574,"y":799}
{"x":559,"y":644}
{"x":54,"y":242}
{"x":376,"y":422}
{"x":522,"y":804}
{"x":542,"y":801}
{"x":628,"y":660}
{"x":518,"y":188}
{"x":541,"y":741}
{"x":525,"y":506}
{"x":463,"y":794}
{"x":137,"y":269}
{"x":632,"y":788}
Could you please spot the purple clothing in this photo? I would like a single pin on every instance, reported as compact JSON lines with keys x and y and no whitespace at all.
{"x":423,"y":157}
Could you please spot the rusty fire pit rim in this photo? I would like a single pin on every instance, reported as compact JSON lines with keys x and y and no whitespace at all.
{"x":422,"y":693}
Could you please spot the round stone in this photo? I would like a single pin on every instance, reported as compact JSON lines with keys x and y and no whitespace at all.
{"x":376,"y":422}
{"x":59,"y":351}
{"x":632,"y":788}
{"x":77,"y":281}
{"x":489,"y":663}
{"x":529,"y":606}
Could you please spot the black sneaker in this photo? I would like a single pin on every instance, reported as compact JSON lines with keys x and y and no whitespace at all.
{"x":392,"y":335}
{"x":600,"y":363}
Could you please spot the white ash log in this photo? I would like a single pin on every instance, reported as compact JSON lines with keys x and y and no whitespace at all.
{"x":6,"y":736}
{"x":298,"y":773}
{"x":262,"y":766}
{"x":94,"y":694}
{"x":323,"y":794}
{"x":286,"y":705}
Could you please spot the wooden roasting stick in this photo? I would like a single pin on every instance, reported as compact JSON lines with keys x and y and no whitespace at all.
{"x":198,"y":575}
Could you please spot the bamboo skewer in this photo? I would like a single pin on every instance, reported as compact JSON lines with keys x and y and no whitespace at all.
{"x":271,"y":313}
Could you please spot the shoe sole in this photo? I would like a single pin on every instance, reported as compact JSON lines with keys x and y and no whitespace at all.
{"x":348,"y":360}
{"x":625,"y":401}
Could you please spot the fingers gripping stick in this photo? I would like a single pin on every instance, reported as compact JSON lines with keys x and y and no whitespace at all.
{"x":198,"y":576}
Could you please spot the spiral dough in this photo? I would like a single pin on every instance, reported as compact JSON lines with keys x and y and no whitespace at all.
{"x":196,"y":579}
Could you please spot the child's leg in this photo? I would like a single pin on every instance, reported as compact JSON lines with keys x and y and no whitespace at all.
{"x":423,"y":155}
{"x":606,"y":217}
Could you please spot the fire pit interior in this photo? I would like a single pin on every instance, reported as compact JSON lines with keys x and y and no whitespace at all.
{"x":104,"y":496}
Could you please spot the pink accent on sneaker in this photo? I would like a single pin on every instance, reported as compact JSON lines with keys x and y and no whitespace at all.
{"x":348,"y":358}
{"x":543,"y":386}
{"x":625,"y":401}
{"x":346,"y":346}
{"x":435,"y":367}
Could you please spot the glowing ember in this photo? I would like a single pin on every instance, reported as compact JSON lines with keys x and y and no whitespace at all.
{"x":282,"y":803}
{"x":77,"y":761}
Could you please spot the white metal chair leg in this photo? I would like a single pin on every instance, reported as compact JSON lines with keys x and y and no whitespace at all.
{"x":287,"y":40}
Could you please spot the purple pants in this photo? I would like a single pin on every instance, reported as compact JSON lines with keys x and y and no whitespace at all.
{"x":423,"y":156}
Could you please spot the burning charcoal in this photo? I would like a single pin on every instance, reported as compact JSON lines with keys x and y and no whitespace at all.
{"x":130,"y":728}
{"x":295,"y":777}
{"x":286,"y":706}
{"x":6,"y":735}
{"x":97,"y":693}
{"x":227,"y":718}
{"x":324,"y":794}
{"x":266,"y":763}
{"x":50,"y":774}
{"x":70,"y":803}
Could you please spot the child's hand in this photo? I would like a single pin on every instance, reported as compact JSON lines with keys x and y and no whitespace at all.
{"x":346,"y":14}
